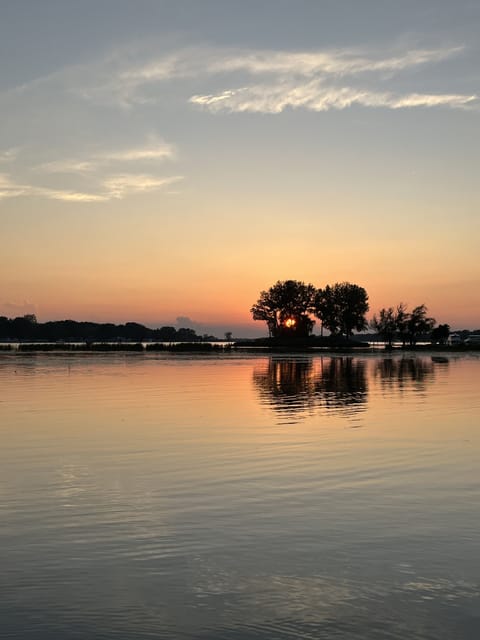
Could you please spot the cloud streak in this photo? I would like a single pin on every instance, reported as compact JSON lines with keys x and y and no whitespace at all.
{"x":316,"y":96}
{"x":257,"y":81}
{"x":122,"y":185}
{"x":316,"y":80}
{"x":9,"y":189}
{"x":336,"y":62}
{"x":157,"y":151}
{"x":113,"y":188}
{"x":12,"y":189}
{"x":108,"y":173}
{"x":189,"y":63}
{"x":321,"y":81}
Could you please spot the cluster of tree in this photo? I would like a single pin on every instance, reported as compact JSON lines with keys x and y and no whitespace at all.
{"x":289,"y":309}
{"x":288,"y":306}
{"x":400,"y":324}
{"x":27,"y":328}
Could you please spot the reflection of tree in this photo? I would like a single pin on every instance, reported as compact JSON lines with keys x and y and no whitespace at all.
{"x":343,"y":382}
{"x":286,"y":385}
{"x":399,"y":373}
{"x":293,"y":386}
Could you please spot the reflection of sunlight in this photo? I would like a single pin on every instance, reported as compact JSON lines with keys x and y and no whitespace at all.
{"x":73,"y":481}
{"x":276,"y":597}
{"x":442,"y":588}
{"x":318,"y":599}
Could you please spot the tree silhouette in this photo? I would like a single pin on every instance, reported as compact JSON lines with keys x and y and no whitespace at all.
{"x":285,"y":308}
{"x":440,"y":334}
{"x":385,"y":324}
{"x":342,"y":308}
{"x":418,"y":323}
{"x":391,"y":323}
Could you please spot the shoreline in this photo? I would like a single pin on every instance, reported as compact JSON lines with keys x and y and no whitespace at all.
{"x":227,"y":348}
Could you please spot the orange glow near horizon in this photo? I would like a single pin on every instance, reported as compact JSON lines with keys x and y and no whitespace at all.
{"x":122,"y":273}
{"x":457,"y":305}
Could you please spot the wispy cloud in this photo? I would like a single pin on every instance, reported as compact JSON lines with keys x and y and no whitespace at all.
{"x":122,"y":185}
{"x":156,"y":151}
{"x":316,"y":96}
{"x":208,"y":61}
{"x":107,"y":175}
{"x":324,"y":80}
{"x":113,"y":188}
{"x":244,"y":79}
{"x":290,"y":76}
{"x":67,"y":196}
{"x":9,"y":189}
{"x":68,"y":165}
{"x":336,"y":62}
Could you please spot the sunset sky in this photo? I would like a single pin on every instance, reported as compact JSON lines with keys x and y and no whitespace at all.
{"x":164,"y":161}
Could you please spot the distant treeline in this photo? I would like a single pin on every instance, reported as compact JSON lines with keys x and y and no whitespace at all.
{"x":27,"y":328}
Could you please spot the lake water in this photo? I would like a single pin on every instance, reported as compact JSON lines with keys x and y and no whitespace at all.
{"x":239,"y":498}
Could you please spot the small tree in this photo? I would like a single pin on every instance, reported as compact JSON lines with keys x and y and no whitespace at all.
{"x":166,"y":334}
{"x":402,"y":318}
{"x":285,"y":308}
{"x":440,"y":334}
{"x":184,"y":334}
{"x":391,"y":323}
{"x":418,"y":323}
{"x":385,"y":324}
{"x":342,"y":308}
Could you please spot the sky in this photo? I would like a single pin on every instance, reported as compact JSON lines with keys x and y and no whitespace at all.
{"x":163,"y":162}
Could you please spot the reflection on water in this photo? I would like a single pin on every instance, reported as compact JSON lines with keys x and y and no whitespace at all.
{"x":149,"y":496}
{"x":292,"y":386}
{"x":343,"y":382}
{"x":296,"y":387}
{"x":400,"y":373}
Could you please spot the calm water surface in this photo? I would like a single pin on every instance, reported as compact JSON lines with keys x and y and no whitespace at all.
{"x":242,"y":498}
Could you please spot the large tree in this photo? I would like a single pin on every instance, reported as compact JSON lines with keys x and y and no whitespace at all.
{"x":342,"y":308}
{"x":285,"y":308}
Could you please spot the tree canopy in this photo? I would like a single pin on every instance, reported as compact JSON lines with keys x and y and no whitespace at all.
{"x":399,"y":323}
{"x":418,"y":323}
{"x":386,"y":324}
{"x":285,"y":308}
{"x":288,"y":305}
{"x":342,"y":308}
